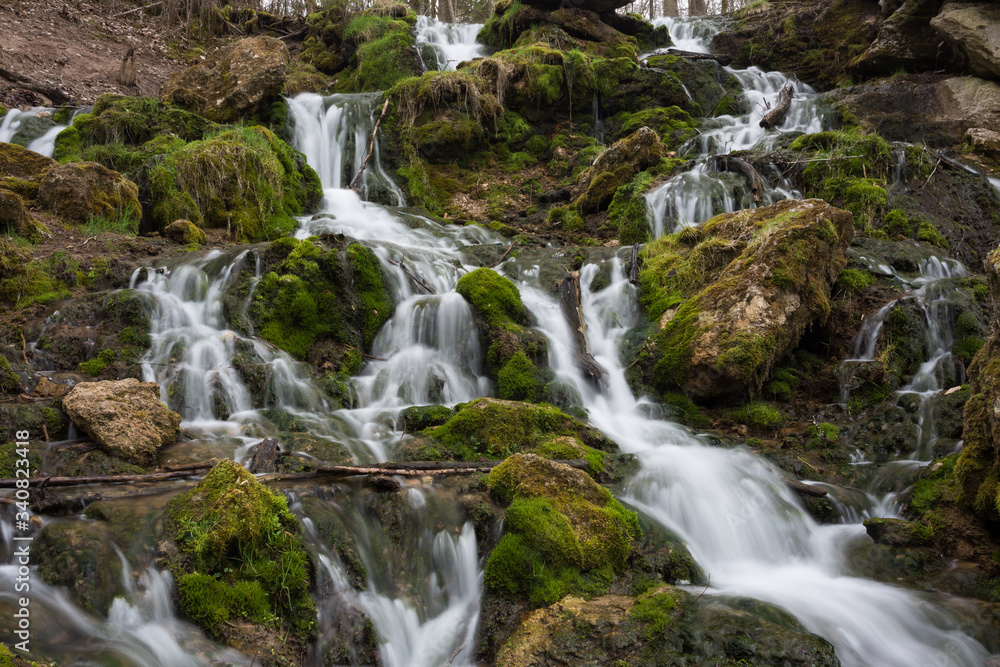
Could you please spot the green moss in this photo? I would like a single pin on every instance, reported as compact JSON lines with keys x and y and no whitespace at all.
{"x":928,"y":233}
{"x":493,"y":297}
{"x":757,"y":415}
{"x":673,"y":124}
{"x":9,"y":457}
{"x":518,"y":379}
{"x":692,"y":414}
{"x":241,"y":545}
{"x":932,"y":486}
{"x":10,"y":383}
{"x":656,"y":610}
{"x":567,"y":447}
{"x":245,"y":180}
{"x":896,"y":224}
{"x":566,"y":217}
{"x":822,"y":435}
{"x":628,"y":210}
{"x":372,"y":290}
{"x":852,"y":281}
{"x":385,"y":52}
{"x":563,"y":533}
{"x":850,"y":170}
{"x":96,"y":366}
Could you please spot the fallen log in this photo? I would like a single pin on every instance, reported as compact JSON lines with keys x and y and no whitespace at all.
{"x":776,"y":115}
{"x":569,"y":297}
{"x":805,"y":489}
{"x":356,"y":183}
{"x":51,"y":92}
{"x":721,"y":58}
{"x":406,"y":469}
{"x":633,"y":270}
{"x":739,"y":166}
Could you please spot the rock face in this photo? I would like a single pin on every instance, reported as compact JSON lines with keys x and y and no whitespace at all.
{"x":124,"y":417}
{"x":973,"y":30}
{"x":983,"y":140}
{"x":978,"y":468}
{"x":85,"y":190}
{"x":236,"y":82}
{"x":905,"y":39}
{"x":923,"y":107}
{"x":738,"y":292}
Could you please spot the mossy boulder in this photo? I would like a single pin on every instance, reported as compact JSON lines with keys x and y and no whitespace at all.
{"x":563,"y":533}
{"x":419,"y":417}
{"x":382,"y":47}
{"x":898,"y":533}
{"x":735,"y":294}
{"x":245,"y":180}
{"x":185,"y":232}
{"x":616,"y":166}
{"x":320,"y":302}
{"x":126,"y":418}
{"x":83,"y":191}
{"x":970,"y":29}
{"x":15,"y":218}
{"x":235,"y":82}
{"x":978,"y":468}
{"x":18,"y":162}
{"x":79,"y":556}
{"x":236,"y":554}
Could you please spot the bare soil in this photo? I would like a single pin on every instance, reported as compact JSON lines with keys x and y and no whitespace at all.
{"x":77,"y":46}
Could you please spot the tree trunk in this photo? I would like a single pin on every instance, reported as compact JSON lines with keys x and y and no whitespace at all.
{"x":738,"y":166}
{"x":726,"y":6}
{"x":126,"y":75}
{"x":670,"y":8}
{"x":569,"y":295}
{"x":697,"y":7}
{"x":446,"y":12}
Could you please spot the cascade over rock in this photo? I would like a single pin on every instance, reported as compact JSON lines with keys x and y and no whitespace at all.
{"x":973,"y":30}
{"x":235,"y":82}
{"x":125,"y":417}
{"x":767,"y":275}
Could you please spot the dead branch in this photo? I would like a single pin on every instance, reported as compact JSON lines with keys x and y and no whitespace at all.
{"x":805,"y":489}
{"x":776,"y":115}
{"x":569,"y":296}
{"x":51,"y":92}
{"x":740,"y":166}
{"x":633,"y":271}
{"x":356,"y":183}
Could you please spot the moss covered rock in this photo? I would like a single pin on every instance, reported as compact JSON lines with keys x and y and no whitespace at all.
{"x":383,"y":46}
{"x":185,"y":232}
{"x":79,"y":556}
{"x":239,"y":556}
{"x":18,"y":162}
{"x":898,"y":533}
{"x":236,"y":82}
{"x":245,"y":180}
{"x":735,"y":294}
{"x":616,"y":166}
{"x":319,"y":302}
{"x":563,"y":533}
{"x":82,"y":191}
{"x":978,"y":468}
{"x":15,"y":218}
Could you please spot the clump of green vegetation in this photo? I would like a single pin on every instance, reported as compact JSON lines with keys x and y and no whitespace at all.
{"x":896,"y":224}
{"x":566,"y":217}
{"x":692,"y":414}
{"x":385,"y":51}
{"x":245,"y":180}
{"x":822,"y":435}
{"x":928,"y":233}
{"x":757,"y":415}
{"x":127,"y":225}
{"x":96,"y":366}
{"x":673,"y":124}
{"x":493,"y":297}
{"x":628,"y":210}
{"x":10,"y":383}
{"x":240,"y":554}
{"x":931,"y":488}
{"x":563,"y":533}
{"x":852,"y":281}
{"x":655,"y":610}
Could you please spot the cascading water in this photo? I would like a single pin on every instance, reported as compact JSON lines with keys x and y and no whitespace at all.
{"x":740,"y":522}
{"x":442,"y":46}
{"x":34,"y":128}
{"x":695,"y":196}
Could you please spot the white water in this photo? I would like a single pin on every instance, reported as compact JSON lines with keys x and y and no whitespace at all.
{"x":740,"y":522}
{"x":15,"y":118}
{"x":442,"y":46}
{"x":701,"y":193}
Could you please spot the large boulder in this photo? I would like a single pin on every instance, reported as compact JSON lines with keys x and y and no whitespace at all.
{"x":926,"y":108}
{"x":978,"y":468}
{"x":124,"y":417}
{"x":906,"y":40}
{"x":15,"y":218}
{"x":18,"y":162}
{"x":735,"y":294}
{"x":83,"y":190}
{"x":973,"y":30}
{"x":80,"y":556}
{"x":237,"y":81}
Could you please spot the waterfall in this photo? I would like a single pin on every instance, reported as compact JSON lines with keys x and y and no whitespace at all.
{"x":16,"y":124}
{"x":695,"y":196}
{"x":442,"y":46}
{"x":741,"y":524}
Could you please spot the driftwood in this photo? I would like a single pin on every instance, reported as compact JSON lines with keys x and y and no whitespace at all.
{"x":126,"y":75}
{"x":356,"y":183}
{"x":51,"y":92}
{"x":265,"y":456}
{"x":740,"y":166}
{"x":954,"y":164}
{"x":776,"y":115}
{"x":633,"y":271}
{"x":569,"y":296}
{"x":805,"y":489}
{"x":408,"y":469}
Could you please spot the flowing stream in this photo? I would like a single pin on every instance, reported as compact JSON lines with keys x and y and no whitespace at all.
{"x":702,"y":192}
{"x":739,"y":520}
{"x":442,"y":46}
{"x":33,"y":128}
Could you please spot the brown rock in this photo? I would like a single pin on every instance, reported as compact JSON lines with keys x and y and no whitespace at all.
{"x":973,"y":30}
{"x":237,"y":81}
{"x":185,"y":232}
{"x":46,"y":388}
{"x":18,"y":162}
{"x":14,"y":216}
{"x":83,"y":190}
{"x":124,"y":417}
{"x":983,"y":140}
